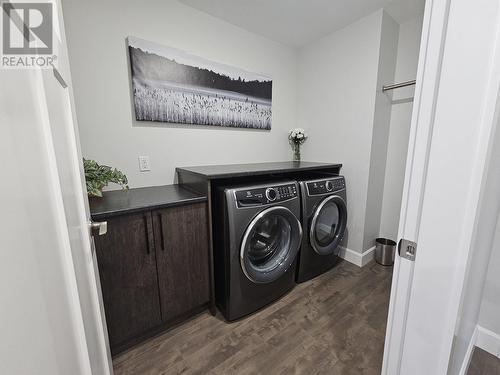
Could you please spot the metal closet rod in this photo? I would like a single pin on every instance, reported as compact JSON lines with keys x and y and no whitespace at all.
{"x":398,"y":85}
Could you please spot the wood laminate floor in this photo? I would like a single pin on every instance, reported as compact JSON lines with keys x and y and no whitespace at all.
{"x":334,"y":324}
{"x":483,"y":363}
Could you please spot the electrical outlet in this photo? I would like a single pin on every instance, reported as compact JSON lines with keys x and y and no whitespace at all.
{"x":144,"y":165}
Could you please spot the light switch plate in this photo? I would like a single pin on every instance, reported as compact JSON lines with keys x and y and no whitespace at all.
{"x":144,"y":165}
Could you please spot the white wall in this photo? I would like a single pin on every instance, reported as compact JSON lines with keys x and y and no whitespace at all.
{"x":330,"y":87}
{"x":96,"y":32}
{"x":489,"y":317}
{"x":488,"y":209}
{"x":406,"y":69}
{"x":338,"y":78}
{"x":380,"y":131}
{"x":483,"y":265}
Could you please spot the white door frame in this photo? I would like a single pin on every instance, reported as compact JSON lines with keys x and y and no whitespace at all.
{"x":57,"y":107}
{"x":90,"y":291}
{"x":451,"y":125}
{"x":71,"y":185}
{"x":426,"y":91}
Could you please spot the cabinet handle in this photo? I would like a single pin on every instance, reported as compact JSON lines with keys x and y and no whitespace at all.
{"x":162,"y":236}
{"x":148,"y":232}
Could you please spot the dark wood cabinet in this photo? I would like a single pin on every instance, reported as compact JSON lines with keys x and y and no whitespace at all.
{"x":182,"y":258}
{"x":127,"y":268}
{"x":154,"y":271}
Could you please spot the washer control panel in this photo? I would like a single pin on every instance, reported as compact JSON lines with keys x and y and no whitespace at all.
{"x":265,"y":195}
{"x":326,"y":186}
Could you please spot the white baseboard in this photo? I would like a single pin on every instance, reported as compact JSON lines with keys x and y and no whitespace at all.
{"x":484,"y":339}
{"x":356,"y":258}
{"x":488,"y":341}
{"x":468,"y":354}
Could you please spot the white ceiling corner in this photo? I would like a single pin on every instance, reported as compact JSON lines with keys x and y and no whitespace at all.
{"x":298,"y":22}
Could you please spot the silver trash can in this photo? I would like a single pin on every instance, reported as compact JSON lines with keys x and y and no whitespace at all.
{"x":385,"y":250}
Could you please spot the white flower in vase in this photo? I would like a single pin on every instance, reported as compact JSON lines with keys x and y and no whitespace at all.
{"x":296,"y":137}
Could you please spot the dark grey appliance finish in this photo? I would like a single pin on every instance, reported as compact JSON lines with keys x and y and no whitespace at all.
{"x":256,"y":245}
{"x":205,"y":180}
{"x":324,"y":220}
{"x":153,"y":267}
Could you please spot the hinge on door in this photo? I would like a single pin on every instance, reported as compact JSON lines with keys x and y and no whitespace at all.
{"x":59,"y":77}
{"x":407,"y":249}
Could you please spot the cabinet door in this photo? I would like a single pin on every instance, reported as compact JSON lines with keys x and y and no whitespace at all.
{"x":182,"y":258}
{"x":127,"y":268}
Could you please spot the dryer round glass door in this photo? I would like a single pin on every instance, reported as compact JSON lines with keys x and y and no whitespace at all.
{"x":328,"y":225}
{"x":270,"y":244}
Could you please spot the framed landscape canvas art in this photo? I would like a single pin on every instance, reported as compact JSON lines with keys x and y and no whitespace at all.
{"x":173,"y":86}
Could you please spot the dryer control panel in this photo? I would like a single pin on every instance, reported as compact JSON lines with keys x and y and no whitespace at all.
{"x":326,"y":186}
{"x":265,"y":195}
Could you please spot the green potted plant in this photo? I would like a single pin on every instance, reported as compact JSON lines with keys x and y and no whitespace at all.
{"x":98,"y":176}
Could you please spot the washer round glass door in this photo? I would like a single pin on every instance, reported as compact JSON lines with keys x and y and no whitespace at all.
{"x":270,"y":244}
{"x":328,"y":225}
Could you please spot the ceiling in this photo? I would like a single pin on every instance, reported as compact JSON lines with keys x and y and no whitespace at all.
{"x":298,"y":22}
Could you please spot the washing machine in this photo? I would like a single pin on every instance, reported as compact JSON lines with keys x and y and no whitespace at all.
{"x":324,"y":220}
{"x":257,"y":236}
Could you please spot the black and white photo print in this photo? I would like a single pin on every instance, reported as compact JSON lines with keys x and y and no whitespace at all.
{"x":173,"y":86}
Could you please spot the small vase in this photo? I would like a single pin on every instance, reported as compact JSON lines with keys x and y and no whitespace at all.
{"x":296,"y":152}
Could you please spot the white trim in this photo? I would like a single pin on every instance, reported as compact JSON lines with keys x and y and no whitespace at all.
{"x":484,"y":339}
{"x":422,"y":121}
{"x":357,"y":258}
{"x":72,"y":296}
{"x":468,"y":354}
{"x":432,"y":304}
{"x":486,"y":129}
{"x":367,"y":256}
{"x":85,"y":265}
{"x":488,"y":341}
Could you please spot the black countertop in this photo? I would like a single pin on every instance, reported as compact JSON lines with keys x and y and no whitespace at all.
{"x":238,"y":170}
{"x":118,"y":202}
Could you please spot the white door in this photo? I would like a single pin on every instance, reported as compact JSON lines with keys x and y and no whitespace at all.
{"x":55,"y":92}
{"x":51,"y":317}
{"x":453,"y":118}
